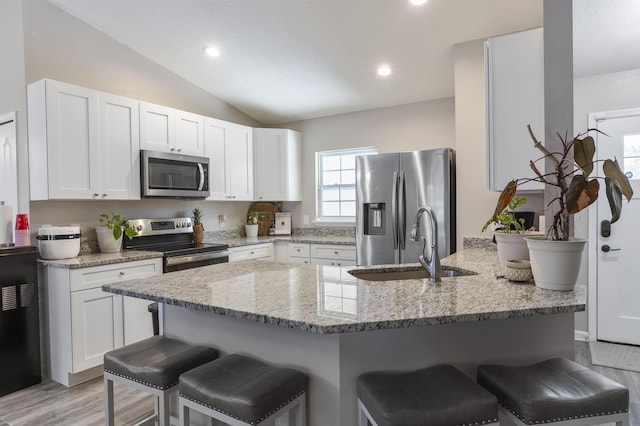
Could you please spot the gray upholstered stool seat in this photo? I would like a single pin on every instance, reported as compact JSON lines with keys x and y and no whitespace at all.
{"x":241,"y":390}
{"x":556,"y":390}
{"x":153,"y":365}
{"x":436,"y":396}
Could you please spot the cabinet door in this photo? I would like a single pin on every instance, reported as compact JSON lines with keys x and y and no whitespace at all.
{"x":270,"y":148}
{"x":215,"y":146}
{"x":257,"y":251}
{"x":239,"y":160}
{"x":157,"y":127}
{"x":119,"y":163}
{"x":137,"y":319}
{"x":189,"y":136}
{"x":515,"y":95}
{"x":96,"y":326}
{"x":72,"y":141}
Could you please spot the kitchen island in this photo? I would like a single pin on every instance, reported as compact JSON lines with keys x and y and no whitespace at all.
{"x":333,"y":326}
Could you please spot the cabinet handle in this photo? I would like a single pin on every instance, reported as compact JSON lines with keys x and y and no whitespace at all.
{"x":121,"y":273}
{"x":252,"y":253}
{"x":95,"y":194}
{"x":179,"y":149}
{"x":173,"y":149}
{"x":104,"y":194}
{"x":335,"y":252}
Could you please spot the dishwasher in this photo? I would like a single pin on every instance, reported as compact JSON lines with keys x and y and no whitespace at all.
{"x":19,"y":319}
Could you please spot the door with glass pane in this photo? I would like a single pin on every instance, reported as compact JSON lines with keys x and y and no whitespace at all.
{"x":618,"y":270}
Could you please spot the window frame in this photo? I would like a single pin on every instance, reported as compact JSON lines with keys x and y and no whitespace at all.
{"x":320,"y":186}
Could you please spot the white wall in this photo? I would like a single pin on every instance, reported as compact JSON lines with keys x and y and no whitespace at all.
{"x":418,"y":126}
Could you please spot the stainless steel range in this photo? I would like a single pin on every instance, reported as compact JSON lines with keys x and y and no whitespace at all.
{"x":173,"y":238}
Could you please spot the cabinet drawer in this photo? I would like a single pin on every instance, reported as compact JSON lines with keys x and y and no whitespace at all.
{"x":333,"y":262}
{"x":299,"y":250}
{"x":96,"y":276}
{"x":302,"y":260}
{"x":338,"y":252}
{"x":258,"y":251}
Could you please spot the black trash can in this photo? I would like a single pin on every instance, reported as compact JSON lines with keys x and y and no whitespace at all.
{"x":153,"y":308}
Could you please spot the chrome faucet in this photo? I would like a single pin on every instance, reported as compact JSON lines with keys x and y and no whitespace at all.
{"x":433,"y":263}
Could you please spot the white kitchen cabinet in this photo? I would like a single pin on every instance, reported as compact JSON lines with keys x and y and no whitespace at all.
{"x":333,"y":255}
{"x":171,"y":130}
{"x":515,"y":97}
{"x":84,"y":322}
{"x":278,"y":164}
{"x":83,"y":144}
{"x":255,"y":251}
{"x":229,"y":147}
{"x":299,"y":253}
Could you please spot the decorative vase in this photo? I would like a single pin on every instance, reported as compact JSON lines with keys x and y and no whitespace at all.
{"x":555,"y":264}
{"x":106,"y":242}
{"x":198,"y":233}
{"x":512,"y":246}
{"x":251,"y":231}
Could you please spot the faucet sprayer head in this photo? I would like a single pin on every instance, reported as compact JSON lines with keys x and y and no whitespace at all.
{"x":414,"y":233}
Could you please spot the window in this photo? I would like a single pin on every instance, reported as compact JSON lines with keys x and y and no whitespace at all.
{"x":336,"y":198}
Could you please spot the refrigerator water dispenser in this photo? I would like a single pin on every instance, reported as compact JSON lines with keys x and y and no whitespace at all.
{"x":374,"y":219}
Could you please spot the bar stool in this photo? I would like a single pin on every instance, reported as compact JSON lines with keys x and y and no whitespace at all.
{"x":239,"y":390}
{"x":152,"y":365}
{"x":556,"y":391}
{"x":436,"y":396}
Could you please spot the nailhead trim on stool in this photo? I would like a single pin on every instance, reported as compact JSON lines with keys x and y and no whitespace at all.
{"x":154,"y":366}
{"x":556,"y":390}
{"x":436,"y":396}
{"x":237,"y":387}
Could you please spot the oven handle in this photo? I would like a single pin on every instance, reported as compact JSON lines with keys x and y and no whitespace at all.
{"x":196,"y":257}
{"x":201,"y":169}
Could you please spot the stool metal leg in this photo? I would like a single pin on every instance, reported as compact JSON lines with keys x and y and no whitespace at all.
{"x":364,"y":418}
{"x":183,"y":413}
{"x":108,"y":402}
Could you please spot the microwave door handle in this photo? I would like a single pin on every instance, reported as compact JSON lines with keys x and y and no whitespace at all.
{"x":201,"y":169}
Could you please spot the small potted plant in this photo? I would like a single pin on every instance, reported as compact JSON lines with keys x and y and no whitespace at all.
{"x":555,"y":258}
{"x":110,"y":234}
{"x":198,"y":227}
{"x":509,"y":232}
{"x":253,"y":220}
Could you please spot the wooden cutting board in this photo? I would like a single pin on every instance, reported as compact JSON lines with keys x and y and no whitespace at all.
{"x":268,"y":209}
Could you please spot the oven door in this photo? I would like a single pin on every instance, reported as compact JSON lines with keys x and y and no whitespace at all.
{"x":174,"y":175}
{"x":194,"y":260}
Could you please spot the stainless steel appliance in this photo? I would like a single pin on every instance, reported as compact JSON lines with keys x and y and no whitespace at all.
{"x":19,"y":319}
{"x":165,"y":174}
{"x":390,"y":189}
{"x":173,"y":238}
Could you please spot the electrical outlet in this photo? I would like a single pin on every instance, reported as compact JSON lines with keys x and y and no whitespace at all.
{"x":222,"y":220}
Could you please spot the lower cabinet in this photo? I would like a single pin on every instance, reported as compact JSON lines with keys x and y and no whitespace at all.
{"x":254,"y":251}
{"x":84,"y":322}
{"x":318,"y":254}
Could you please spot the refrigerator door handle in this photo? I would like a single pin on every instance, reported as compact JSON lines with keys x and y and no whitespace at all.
{"x":394,"y":210}
{"x":401,"y":212}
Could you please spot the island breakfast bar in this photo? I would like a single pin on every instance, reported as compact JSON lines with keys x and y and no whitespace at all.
{"x":333,"y":326}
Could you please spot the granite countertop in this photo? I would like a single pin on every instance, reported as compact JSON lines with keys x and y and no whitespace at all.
{"x":312,"y":239}
{"x":327,"y":299}
{"x":98,"y":259}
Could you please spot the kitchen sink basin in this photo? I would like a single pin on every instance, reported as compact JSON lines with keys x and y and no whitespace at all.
{"x":401,"y":273}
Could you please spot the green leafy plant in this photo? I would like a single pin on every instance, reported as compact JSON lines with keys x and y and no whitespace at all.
{"x":571,"y":178}
{"x":254,"y":217}
{"x":505,"y":220}
{"x":117,"y":224}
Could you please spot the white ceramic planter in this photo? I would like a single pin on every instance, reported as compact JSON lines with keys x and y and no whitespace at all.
{"x":555,"y":264}
{"x":251,"y":231}
{"x":512,"y":246}
{"x":106,"y":242}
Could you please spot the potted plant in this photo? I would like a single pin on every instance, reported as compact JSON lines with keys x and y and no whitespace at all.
{"x":555,"y":258}
{"x":509,"y":232}
{"x":110,"y":234}
{"x":251,"y":227}
{"x":198,"y":228}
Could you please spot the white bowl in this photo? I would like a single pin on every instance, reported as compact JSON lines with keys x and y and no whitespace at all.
{"x":518,"y":270}
{"x":58,"y":242}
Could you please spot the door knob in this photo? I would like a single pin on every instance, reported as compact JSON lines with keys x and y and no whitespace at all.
{"x":606,"y":249}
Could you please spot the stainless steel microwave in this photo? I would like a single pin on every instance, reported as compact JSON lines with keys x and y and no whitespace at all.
{"x":165,"y":174}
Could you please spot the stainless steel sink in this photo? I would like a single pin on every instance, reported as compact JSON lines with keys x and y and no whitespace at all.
{"x":402,"y":273}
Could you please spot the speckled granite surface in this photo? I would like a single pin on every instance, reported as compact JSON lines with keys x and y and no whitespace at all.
{"x":97,"y":259}
{"x":325,"y":299}
{"x":313,"y":239}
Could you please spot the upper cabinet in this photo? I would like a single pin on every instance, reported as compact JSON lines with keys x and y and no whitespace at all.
{"x":171,"y":130}
{"x":278,"y":163}
{"x":83,"y":144}
{"x":229,"y":147}
{"x":515,"y":96}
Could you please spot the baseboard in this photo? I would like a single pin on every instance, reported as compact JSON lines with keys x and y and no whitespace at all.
{"x":581,"y":336}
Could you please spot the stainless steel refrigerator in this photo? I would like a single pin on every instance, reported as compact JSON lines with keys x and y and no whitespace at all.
{"x":389,"y":190}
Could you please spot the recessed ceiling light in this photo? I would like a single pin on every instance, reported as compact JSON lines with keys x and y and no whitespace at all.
{"x":212,"y":51}
{"x":417,"y":2}
{"x":384,"y":70}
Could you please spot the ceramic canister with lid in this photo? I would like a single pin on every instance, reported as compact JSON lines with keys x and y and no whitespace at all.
{"x":58,"y":242}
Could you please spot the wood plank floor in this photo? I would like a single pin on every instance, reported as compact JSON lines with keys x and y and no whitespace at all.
{"x":53,"y":404}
